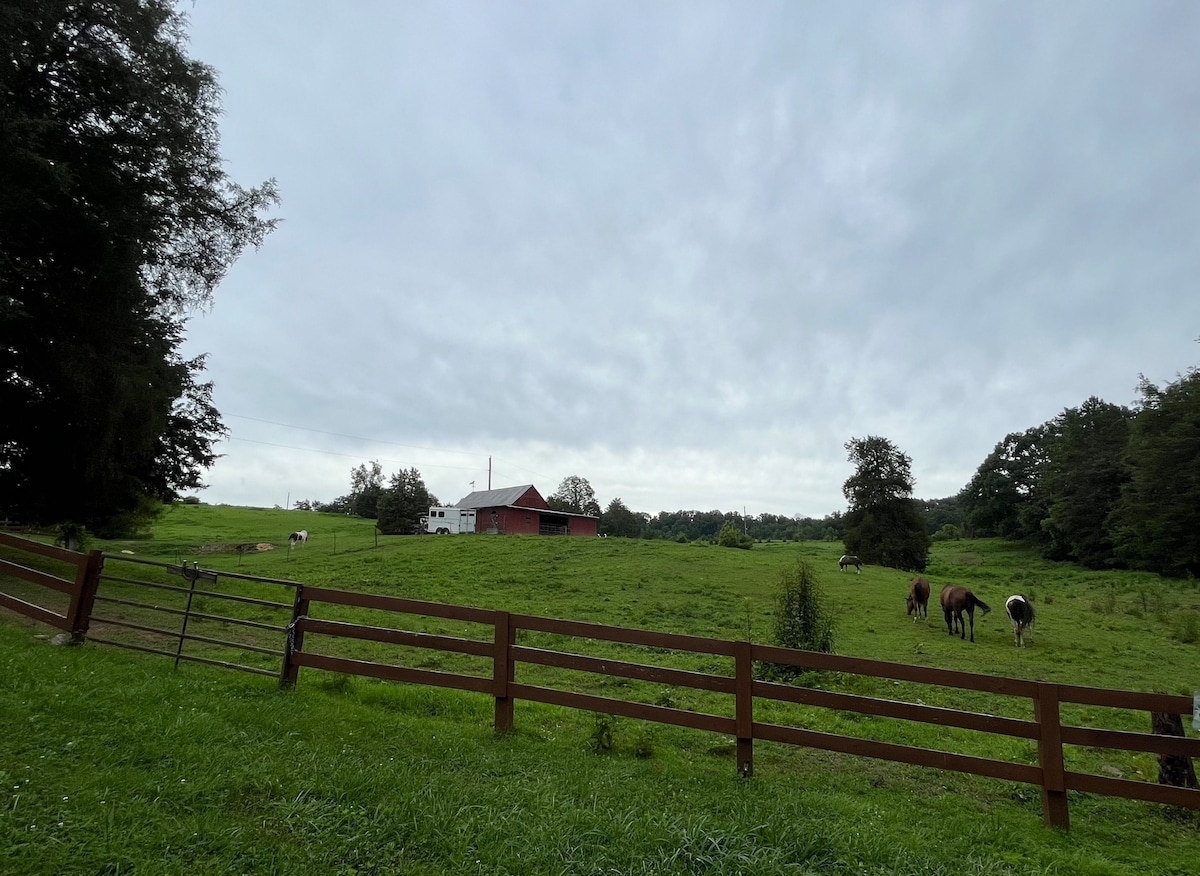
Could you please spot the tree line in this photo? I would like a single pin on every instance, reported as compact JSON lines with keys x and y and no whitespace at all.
{"x":1101,"y":484}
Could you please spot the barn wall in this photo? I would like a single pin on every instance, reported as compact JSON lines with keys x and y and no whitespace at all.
{"x":531,"y":498}
{"x":583,"y":526}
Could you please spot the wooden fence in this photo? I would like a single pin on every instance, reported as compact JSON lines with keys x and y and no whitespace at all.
{"x":498,"y":642}
{"x":79,"y":588}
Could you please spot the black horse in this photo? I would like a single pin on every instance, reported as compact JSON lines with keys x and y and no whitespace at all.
{"x":956,"y":600}
{"x":1020,"y":612}
{"x":849,"y":560}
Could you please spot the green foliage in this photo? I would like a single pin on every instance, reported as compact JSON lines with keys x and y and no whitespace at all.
{"x":1001,"y":499}
{"x":884,"y":526}
{"x":1157,"y":524}
{"x":601,"y":739}
{"x":618,"y":520}
{"x":401,"y":505}
{"x":949,"y":532}
{"x":366,"y":486}
{"x":803,"y":620}
{"x":732,"y":537}
{"x":1187,"y":627}
{"x":576,"y":495}
{"x":72,"y":536}
{"x":116,"y":220}
{"x":1082,"y":481}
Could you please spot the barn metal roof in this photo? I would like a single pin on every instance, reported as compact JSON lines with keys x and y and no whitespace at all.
{"x":493,"y":498}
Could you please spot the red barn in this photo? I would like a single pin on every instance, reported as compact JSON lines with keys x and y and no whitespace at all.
{"x":523,"y":511}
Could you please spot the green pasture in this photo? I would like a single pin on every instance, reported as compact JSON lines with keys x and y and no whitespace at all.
{"x":204,"y":770}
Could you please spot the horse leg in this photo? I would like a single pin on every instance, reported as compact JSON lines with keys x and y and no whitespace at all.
{"x":971,"y":615}
{"x":949,"y":614}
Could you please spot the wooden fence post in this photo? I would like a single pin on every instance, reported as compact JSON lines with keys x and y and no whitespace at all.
{"x":743,"y":698}
{"x":83,"y":599}
{"x":503,"y":671}
{"x":290,"y":671}
{"x":1050,"y":757}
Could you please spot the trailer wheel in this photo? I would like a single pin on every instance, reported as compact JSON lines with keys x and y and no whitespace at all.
{"x":443,"y":531}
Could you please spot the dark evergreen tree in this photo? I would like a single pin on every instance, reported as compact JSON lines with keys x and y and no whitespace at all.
{"x":401,"y":505}
{"x":1082,"y":479}
{"x":116,"y":220}
{"x":883,"y":525}
{"x":1156,"y":525}
{"x":618,"y":520}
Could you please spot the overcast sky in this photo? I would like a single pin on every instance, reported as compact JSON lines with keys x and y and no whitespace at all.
{"x":688,"y":250}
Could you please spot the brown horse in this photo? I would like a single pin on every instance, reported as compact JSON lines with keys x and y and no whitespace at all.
{"x":956,"y":600}
{"x":918,"y":598}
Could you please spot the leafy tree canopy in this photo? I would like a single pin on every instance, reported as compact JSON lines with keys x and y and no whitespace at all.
{"x":618,"y":520}
{"x":402,"y":504}
{"x":1157,"y":523}
{"x":884,"y":525}
{"x":576,"y":495}
{"x":117,"y":220}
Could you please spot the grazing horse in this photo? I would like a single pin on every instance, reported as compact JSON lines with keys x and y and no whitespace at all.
{"x":297,"y":537}
{"x":956,"y":600}
{"x":918,"y":598}
{"x":849,"y":560}
{"x":1020,"y":612}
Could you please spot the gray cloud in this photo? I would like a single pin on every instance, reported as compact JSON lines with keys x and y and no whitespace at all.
{"x":688,"y":251}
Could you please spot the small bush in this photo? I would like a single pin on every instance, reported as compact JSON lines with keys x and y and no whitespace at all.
{"x":643,"y":745}
{"x":1105,"y":603}
{"x":1187,"y":627}
{"x":732,"y":537}
{"x":601,"y":739}
{"x":802,"y":618}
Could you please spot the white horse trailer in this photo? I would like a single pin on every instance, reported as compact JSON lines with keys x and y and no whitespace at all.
{"x":449,"y":521}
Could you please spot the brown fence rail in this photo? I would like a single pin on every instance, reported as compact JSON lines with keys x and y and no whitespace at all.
{"x":79,"y":588}
{"x":496,"y":643}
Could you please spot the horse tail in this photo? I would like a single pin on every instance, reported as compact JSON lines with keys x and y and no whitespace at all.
{"x":986,"y":608}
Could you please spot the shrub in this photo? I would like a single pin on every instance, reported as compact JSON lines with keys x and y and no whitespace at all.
{"x":1187,"y":627}
{"x":732,"y":537}
{"x":949,"y":532}
{"x":802,"y":618}
{"x":601,"y":740}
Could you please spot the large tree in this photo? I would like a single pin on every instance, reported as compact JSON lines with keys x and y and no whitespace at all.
{"x":883,"y":525}
{"x":1156,"y":525}
{"x":366,"y":486}
{"x":575,"y":494}
{"x":117,"y":220}
{"x":1084,"y":472}
{"x":1004,"y":496}
{"x":403,"y":502}
{"x":618,"y":520}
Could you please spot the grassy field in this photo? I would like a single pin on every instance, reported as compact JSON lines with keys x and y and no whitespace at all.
{"x":125,"y":766}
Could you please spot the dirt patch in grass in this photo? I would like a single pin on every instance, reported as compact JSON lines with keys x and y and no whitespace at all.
{"x":244,"y":548}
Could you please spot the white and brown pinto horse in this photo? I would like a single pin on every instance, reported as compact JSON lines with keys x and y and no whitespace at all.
{"x":1020,"y":612}
{"x":850,"y":560}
